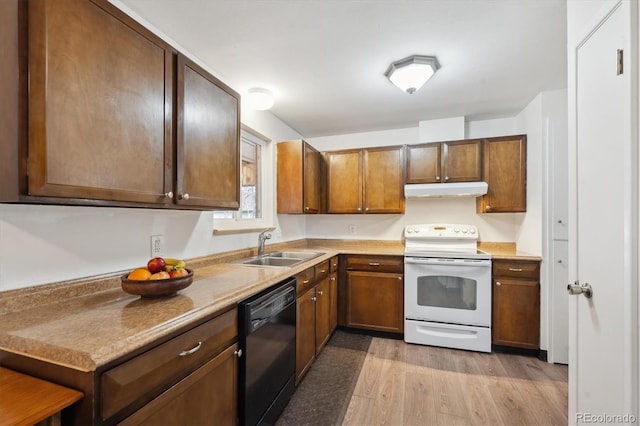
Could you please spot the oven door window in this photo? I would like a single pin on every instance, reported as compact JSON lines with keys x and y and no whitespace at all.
{"x":444,"y":291}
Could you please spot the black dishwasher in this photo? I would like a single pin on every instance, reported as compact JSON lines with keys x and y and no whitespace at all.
{"x":268,"y":342}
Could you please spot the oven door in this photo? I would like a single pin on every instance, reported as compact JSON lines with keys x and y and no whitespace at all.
{"x":454,"y":291}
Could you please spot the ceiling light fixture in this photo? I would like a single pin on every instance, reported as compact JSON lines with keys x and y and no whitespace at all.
{"x":260,"y":99}
{"x":410,"y":73}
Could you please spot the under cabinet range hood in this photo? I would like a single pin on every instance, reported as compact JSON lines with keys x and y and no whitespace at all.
{"x":434,"y":190}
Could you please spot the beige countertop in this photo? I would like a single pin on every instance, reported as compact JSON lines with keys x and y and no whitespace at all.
{"x":88,"y":323}
{"x":85,"y":325}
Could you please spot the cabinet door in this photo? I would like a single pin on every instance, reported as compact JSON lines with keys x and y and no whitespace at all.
{"x":462,"y":161}
{"x":305,"y":332}
{"x":298,"y":178}
{"x":384,"y":180}
{"x":424,"y":163}
{"x":505,"y":171}
{"x":375,"y":301}
{"x":208,"y":140}
{"x":323,"y":313}
{"x":100,"y":105}
{"x":207,"y":394}
{"x":344,"y":181}
{"x":311,"y":178}
{"x":516,"y":313}
{"x":333,"y":301}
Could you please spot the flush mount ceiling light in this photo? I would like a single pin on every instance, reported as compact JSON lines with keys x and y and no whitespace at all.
{"x":409,"y":74}
{"x":260,"y":99}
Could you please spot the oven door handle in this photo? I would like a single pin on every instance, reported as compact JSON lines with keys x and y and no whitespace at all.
{"x":447,"y":262}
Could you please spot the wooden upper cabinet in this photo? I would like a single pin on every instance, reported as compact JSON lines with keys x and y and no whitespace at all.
{"x":344,"y":181}
{"x":424,"y":164}
{"x":505,"y":171}
{"x":366,"y":180}
{"x":208,"y":139}
{"x":106,"y":113}
{"x":462,"y":161}
{"x":384,"y":180}
{"x":444,"y":162}
{"x":298,"y":175}
{"x":100,"y":104}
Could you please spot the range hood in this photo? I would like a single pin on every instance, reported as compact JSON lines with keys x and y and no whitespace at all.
{"x":456,"y":189}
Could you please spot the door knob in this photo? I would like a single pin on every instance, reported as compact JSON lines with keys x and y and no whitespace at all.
{"x":576,"y":288}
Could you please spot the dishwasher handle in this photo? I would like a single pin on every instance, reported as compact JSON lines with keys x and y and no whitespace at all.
{"x":266,"y":306}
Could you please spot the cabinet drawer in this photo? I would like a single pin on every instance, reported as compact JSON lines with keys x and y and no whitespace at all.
{"x":139,"y":380}
{"x":305,"y":280}
{"x":322,"y":271}
{"x":517,"y":269}
{"x":375,"y":263}
{"x":333,"y":264}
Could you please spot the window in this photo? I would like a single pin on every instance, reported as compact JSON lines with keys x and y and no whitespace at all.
{"x":253,"y":151}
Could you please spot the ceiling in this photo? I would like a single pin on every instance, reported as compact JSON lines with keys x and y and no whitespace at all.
{"x":325,"y":59}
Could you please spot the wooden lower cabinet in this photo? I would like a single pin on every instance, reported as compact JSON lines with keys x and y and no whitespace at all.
{"x":316,"y":309}
{"x":207,"y":394}
{"x":516,"y":304}
{"x":305,"y":332}
{"x":373,"y":296}
{"x":375,"y":301}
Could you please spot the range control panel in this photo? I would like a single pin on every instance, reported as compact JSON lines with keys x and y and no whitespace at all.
{"x":441,"y":231}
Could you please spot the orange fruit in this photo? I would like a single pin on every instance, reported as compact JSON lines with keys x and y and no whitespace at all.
{"x":139,"y":274}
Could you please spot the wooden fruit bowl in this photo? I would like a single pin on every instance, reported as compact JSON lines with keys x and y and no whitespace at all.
{"x":157,"y":288}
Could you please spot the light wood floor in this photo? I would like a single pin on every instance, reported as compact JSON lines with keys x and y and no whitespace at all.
{"x":405,"y":384}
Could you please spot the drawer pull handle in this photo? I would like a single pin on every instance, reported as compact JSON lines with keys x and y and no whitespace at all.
{"x":323,"y":271}
{"x":305,"y":281}
{"x":515,"y":269}
{"x":374,"y":263}
{"x":192,"y":350}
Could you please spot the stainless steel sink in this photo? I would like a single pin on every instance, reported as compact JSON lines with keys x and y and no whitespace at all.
{"x":271,"y":261}
{"x":281,"y":259}
{"x":305,"y":255}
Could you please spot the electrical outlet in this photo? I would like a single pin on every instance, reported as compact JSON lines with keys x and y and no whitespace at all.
{"x":157,"y":245}
{"x":352,"y":230}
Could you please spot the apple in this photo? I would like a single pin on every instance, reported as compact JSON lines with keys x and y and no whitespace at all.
{"x":156,"y":264}
{"x":180,"y":272}
{"x":162,"y":275}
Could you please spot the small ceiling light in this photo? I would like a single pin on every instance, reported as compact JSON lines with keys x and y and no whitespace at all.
{"x":409,"y":74}
{"x":260,"y":99}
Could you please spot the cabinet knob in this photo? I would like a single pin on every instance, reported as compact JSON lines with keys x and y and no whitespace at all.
{"x":559,"y":220}
{"x":498,"y":283}
{"x":400,"y":278}
{"x":313,"y":298}
{"x":168,"y":194}
{"x":332,"y":278}
{"x":238,"y":353}
{"x":306,"y":209}
{"x":184,"y":196}
{"x":559,"y":260}
{"x":320,"y":293}
{"x":487,"y":208}
{"x":367,"y":209}
{"x":437,"y":177}
{"x":359,"y":209}
{"x":446,"y":178}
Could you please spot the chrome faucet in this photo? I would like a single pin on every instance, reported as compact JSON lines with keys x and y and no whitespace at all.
{"x":264,"y":235}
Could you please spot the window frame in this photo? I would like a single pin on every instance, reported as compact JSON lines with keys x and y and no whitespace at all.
{"x":237,"y":224}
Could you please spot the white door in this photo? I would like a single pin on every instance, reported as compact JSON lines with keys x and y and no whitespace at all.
{"x":603,"y":329}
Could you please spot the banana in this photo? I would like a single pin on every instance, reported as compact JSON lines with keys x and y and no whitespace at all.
{"x":175,"y":263}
